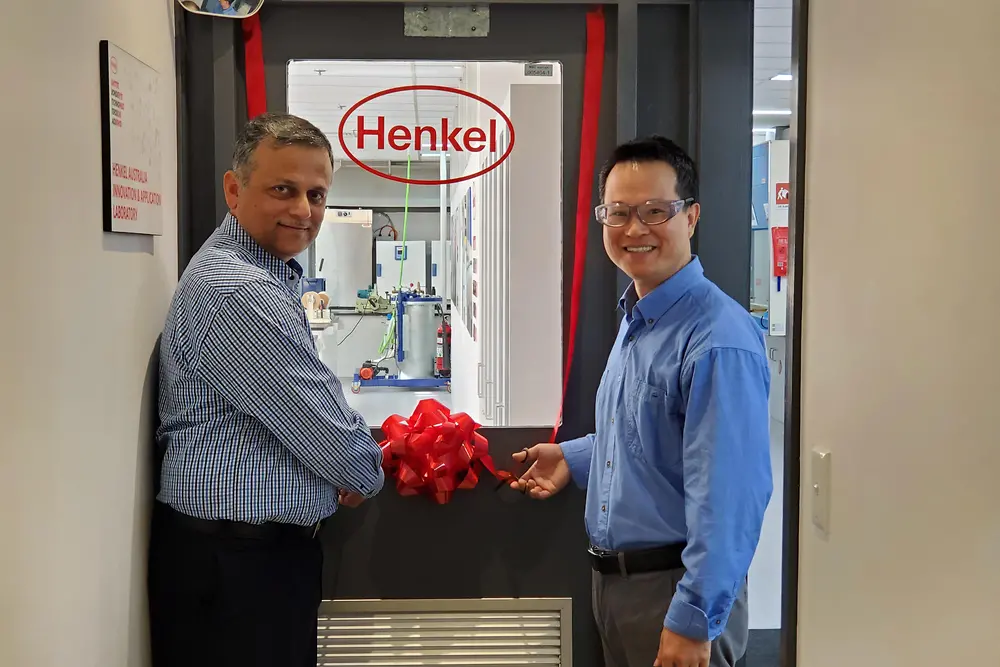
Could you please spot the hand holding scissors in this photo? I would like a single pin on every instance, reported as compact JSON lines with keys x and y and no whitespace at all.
{"x":547,"y":473}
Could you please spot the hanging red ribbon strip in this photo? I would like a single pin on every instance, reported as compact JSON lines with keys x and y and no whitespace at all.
{"x":593,"y":75}
{"x":435,"y":452}
{"x":253,"y":60}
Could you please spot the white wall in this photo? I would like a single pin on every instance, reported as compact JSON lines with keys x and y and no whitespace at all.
{"x":492,"y":80}
{"x":78,"y":331}
{"x":535,"y":244}
{"x":777,"y":217}
{"x":353,"y":186}
{"x":901,"y":369}
{"x":535,"y":296}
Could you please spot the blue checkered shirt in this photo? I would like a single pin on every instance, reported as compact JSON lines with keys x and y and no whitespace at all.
{"x":253,"y":426}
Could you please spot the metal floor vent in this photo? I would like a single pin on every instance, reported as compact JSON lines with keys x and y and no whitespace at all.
{"x":459,"y":633}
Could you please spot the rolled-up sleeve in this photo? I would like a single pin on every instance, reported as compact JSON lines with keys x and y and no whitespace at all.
{"x":727,"y":486}
{"x":256,"y":358}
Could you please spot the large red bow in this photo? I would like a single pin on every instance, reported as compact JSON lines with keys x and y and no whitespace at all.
{"x":435,"y":452}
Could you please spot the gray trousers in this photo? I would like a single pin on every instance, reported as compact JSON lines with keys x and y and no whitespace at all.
{"x":630,"y":610}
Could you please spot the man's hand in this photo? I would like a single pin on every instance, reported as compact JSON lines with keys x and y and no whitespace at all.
{"x":548,"y":474}
{"x":349,"y":499}
{"x":678,"y":651}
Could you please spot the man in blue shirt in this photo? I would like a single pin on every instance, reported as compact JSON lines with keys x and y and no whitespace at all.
{"x":259,"y":444}
{"x":678,"y":470}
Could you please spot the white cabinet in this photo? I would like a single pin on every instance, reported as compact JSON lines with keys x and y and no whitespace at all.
{"x":390,"y":256}
{"x":343,"y":256}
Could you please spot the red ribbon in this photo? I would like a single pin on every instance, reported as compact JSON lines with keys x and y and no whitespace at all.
{"x":253,"y":59}
{"x":435,"y":452}
{"x":593,"y":74}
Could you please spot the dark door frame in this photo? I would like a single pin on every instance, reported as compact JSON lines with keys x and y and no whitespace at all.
{"x":197,"y":179}
{"x":790,"y":516}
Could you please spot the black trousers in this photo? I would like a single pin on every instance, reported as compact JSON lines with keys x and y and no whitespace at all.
{"x":220,"y":601}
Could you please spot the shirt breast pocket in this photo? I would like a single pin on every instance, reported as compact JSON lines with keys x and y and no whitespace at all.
{"x":658,"y":426}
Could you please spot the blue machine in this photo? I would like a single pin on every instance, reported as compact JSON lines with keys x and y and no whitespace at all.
{"x":412,"y":343}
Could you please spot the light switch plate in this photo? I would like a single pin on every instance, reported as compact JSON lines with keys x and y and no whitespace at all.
{"x":820,"y":487}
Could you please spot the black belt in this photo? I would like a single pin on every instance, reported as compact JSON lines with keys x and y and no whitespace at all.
{"x":238,"y":529}
{"x":657,"y":559}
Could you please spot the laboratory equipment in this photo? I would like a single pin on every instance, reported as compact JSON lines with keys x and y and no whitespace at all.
{"x":410,"y":345}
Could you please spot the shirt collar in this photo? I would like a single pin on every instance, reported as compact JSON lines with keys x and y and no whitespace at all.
{"x":656,"y":303}
{"x":279,"y":269}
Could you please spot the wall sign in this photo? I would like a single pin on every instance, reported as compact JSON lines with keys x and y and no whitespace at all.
{"x":782,"y":194}
{"x":132,"y":154}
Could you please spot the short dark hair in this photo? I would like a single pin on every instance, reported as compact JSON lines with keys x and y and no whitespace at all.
{"x":656,"y":149}
{"x":282,"y":128}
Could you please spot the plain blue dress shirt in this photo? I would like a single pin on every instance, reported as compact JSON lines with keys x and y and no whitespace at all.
{"x":681,"y":449}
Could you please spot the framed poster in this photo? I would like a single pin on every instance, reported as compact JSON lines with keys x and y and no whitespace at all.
{"x":132,"y":154}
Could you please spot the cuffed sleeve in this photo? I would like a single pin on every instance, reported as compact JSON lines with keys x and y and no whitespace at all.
{"x":578,"y":454}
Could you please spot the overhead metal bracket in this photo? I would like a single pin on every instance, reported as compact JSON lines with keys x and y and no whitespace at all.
{"x":446,"y":20}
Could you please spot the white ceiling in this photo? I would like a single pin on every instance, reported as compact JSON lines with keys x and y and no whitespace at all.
{"x":772,"y":54}
{"x":322,"y":91}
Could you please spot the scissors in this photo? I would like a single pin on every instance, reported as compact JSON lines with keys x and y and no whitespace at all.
{"x":516,"y":474}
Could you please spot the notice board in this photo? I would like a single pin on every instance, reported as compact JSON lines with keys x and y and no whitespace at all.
{"x":132,"y":153}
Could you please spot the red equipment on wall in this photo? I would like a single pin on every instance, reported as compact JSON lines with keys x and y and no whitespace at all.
{"x":442,"y":361}
{"x":779,"y":237}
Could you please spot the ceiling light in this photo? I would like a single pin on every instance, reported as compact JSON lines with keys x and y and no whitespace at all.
{"x":781,"y":77}
{"x":763,"y":130}
{"x":772,"y":112}
{"x":435,"y":155}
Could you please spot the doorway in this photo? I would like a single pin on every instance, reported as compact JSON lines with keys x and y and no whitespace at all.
{"x":688,"y":78}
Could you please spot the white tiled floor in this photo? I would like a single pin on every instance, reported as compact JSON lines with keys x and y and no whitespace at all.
{"x":376,"y":403}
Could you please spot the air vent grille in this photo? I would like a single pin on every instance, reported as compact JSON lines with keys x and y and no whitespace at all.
{"x":426,"y":633}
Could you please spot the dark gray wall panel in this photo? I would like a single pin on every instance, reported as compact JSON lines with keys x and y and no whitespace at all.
{"x":724,"y":30}
{"x":214,"y":111}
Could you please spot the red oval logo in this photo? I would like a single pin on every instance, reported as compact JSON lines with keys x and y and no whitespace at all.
{"x":471,"y":139}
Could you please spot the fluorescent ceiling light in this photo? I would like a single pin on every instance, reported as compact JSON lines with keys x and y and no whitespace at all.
{"x":781,"y":77}
{"x":772,"y":112}
{"x":762,"y":130}
{"x":435,"y":154}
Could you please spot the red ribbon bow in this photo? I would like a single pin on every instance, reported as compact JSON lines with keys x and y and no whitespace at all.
{"x":435,"y":452}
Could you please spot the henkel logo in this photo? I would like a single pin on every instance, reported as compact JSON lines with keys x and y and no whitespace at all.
{"x":372,"y":131}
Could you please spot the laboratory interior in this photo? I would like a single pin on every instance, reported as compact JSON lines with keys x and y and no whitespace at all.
{"x":410,"y":287}
{"x":846,"y":151}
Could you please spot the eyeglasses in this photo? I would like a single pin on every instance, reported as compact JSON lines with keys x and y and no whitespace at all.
{"x":653,"y":212}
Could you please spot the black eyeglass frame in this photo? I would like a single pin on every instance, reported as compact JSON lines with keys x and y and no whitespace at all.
{"x":673,"y":210}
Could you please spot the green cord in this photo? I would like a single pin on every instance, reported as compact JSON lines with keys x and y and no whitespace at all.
{"x":406,"y":214}
{"x":390,"y":333}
